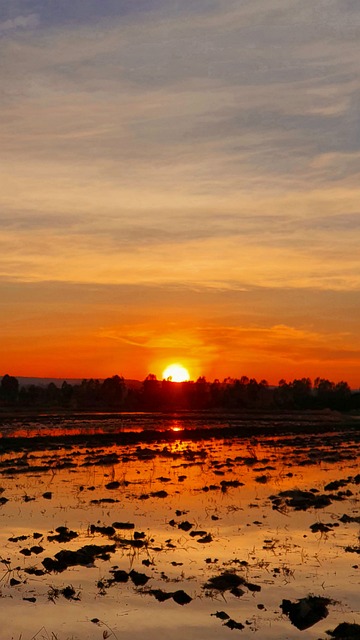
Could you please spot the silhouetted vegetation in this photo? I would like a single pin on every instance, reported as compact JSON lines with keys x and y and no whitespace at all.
{"x":232,"y":394}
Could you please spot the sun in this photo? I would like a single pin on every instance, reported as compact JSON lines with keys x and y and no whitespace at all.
{"x":176,"y":372}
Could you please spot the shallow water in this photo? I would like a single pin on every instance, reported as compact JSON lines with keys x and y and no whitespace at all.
{"x":225,"y":488}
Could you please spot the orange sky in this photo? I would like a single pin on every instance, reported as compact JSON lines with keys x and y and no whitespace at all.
{"x":180,"y":183}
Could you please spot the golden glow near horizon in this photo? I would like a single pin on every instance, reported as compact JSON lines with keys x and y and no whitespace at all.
{"x":176,"y":373}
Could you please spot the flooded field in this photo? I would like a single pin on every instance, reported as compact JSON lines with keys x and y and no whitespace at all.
{"x":180,"y":534}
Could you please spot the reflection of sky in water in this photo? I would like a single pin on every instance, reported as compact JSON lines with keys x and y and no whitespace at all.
{"x":284,"y":557}
{"x":57,"y":425}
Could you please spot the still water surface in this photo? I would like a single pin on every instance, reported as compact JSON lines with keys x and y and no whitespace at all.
{"x":225,"y":491}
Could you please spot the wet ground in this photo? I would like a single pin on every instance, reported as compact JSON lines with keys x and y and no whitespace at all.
{"x":199,"y":537}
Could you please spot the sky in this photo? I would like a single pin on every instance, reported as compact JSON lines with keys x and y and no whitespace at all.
{"x":180,"y":183}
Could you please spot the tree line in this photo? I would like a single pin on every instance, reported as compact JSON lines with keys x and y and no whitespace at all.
{"x":232,"y":394}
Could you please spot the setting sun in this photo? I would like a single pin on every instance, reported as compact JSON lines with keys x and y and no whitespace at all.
{"x":176,"y":372}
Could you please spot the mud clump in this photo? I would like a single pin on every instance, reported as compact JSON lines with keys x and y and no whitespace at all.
{"x":159,"y":494}
{"x":205,"y":539}
{"x":322,"y":527}
{"x":302,"y":500}
{"x":104,"y":501}
{"x":63,"y":534}
{"x":347,"y":519}
{"x":68,"y":592}
{"x":180,"y":596}
{"x":33,"y":571}
{"x":222,"y":615}
{"x":35,"y":549}
{"x":123,"y":525}
{"x":105,"y":531}
{"x":120,"y":576}
{"x":184,"y":526}
{"x":345,"y":631}
{"x":112,"y":485}
{"x":14,"y":582}
{"x":230,"y":623}
{"x":229,"y":581}
{"x":307,"y":611}
{"x":138,"y":579}
{"x":83,"y":557}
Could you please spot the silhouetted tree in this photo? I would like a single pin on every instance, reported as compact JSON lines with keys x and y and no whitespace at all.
{"x":52,"y":395}
{"x":66,"y":394}
{"x":302,"y":393}
{"x":151,"y":396}
{"x":113,"y":392}
{"x":9,"y":389}
{"x":324,"y":390}
{"x":342,"y":393}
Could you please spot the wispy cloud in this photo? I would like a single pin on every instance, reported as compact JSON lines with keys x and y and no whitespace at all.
{"x":19,"y":22}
